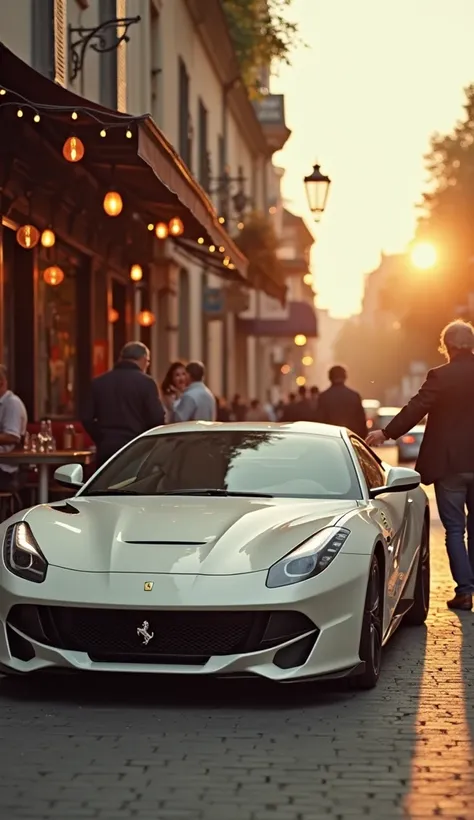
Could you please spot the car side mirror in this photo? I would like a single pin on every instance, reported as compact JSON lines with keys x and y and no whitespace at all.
{"x":400,"y":480}
{"x":69,"y":475}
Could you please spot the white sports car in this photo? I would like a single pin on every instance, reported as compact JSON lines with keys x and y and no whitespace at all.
{"x":286,"y":551}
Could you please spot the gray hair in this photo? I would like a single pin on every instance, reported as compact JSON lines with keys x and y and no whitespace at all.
{"x":134,"y":351}
{"x":457,"y":335}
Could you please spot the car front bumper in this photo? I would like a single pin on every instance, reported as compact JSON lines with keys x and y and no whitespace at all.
{"x":327,"y":609}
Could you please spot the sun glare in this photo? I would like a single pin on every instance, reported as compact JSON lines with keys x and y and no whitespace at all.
{"x":424,"y":256}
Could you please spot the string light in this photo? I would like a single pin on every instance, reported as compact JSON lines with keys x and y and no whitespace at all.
{"x":146,"y":318}
{"x":150,"y":226}
{"x":136,"y":273}
{"x":226,"y":261}
{"x":19,"y":113}
{"x":74,"y":115}
{"x":222,"y":219}
{"x":36,"y":118}
{"x":2,"y":92}
{"x":103,"y":133}
{"x":240,"y":226}
{"x":48,"y":238}
{"x":28,"y":236}
{"x":53,"y":275}
{"x":221,"y":249}
{"x":201,"y":240}
{"x":128,"y":134}
{"x":161,"y":230}
{"x":300,"y":340}
{"x":73,"y":149}
{"x":176,"y":226}
{"x":307,"y":361}
{"x":285,"y":369}
{"x":300,"y":381}
{"x":113,"y":203}
{"x":212,"y":248}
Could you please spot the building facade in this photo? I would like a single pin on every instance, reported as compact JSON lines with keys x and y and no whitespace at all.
{"x":179,"y":65}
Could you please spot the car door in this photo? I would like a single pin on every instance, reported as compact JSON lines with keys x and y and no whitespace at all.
{"x":391,"y":513}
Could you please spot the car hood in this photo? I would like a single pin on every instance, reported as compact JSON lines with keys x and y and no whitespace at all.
{"x":209,"y":536}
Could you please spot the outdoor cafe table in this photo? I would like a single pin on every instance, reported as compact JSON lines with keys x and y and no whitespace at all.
{"x":43,"y":461}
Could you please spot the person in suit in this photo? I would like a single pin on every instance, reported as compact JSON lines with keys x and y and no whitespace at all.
{"x":122,"y":403}
{"x":446,"y":457}
{"x":341,"y":406}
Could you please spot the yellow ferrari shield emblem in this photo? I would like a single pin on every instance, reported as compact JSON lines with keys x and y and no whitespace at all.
{"x":148,"y":586}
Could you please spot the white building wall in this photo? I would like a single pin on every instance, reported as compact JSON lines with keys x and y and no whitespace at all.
{"x":16,"y":28}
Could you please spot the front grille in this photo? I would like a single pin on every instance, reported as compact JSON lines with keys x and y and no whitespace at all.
{"x":178,"y":636}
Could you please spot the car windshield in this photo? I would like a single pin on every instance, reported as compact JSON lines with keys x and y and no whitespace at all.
{"x":231,"y":462}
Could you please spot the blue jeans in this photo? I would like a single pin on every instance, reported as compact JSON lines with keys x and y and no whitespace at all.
{"x":455,"y":497}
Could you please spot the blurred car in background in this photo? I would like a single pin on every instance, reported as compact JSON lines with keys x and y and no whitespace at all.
{"x":371,"y":409}
{"x":408,"y":446}
{"x":384,"y":416}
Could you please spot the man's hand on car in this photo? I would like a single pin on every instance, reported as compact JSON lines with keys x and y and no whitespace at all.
{"x":376,"y":438}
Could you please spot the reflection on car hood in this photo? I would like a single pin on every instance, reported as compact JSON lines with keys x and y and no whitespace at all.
{"x":212,"y":536}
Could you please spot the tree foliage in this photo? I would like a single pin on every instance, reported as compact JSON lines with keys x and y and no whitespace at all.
{"x":261,"y":34}
{"x":259,"y":243}
{"x":424,"y":301}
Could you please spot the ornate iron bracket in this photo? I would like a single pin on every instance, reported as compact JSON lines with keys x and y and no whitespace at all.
{"x":79,"y":39}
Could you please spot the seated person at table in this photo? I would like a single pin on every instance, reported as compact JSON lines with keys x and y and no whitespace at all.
{"x":13,"y":422}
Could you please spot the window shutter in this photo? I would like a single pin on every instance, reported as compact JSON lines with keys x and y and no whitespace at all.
{"x":121,"y":61}
{"x":60,"y":43}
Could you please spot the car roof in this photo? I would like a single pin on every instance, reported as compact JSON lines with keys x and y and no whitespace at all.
{"x":250,"y":426}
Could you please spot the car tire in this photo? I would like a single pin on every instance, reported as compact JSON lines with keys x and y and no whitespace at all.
{"x":370,"y":649}
{"x":417,"y":615}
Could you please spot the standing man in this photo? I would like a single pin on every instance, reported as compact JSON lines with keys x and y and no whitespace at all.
{"x":446,"y":457}
{"x":341,"y":406}
{"x":197,"y":403}
{"x":123,"y":403}
{"x":13,"y":423}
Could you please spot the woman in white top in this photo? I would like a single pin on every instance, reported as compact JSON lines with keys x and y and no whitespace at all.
{"x":172,"y":387}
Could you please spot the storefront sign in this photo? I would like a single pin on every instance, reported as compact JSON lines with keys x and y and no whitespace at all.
{"x":213,"y":301}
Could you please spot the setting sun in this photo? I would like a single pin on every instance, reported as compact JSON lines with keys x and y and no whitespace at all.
{"x":424,"y":256}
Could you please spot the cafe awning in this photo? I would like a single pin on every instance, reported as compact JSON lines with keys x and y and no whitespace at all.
{"x":126,"y":153}
{"x":301,"y":319}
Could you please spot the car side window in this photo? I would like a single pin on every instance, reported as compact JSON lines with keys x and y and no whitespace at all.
{"x":373,"y":472}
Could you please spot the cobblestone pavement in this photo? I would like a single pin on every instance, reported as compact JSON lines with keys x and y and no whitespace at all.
{"x":116,"y":749}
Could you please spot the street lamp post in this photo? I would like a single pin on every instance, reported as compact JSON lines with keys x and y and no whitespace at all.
{"x":317,"y":190}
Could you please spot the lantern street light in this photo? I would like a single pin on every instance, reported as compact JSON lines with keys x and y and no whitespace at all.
{"x":317,"y":190}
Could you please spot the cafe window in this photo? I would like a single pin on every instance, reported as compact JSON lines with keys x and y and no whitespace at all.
{"x":56,"y":335}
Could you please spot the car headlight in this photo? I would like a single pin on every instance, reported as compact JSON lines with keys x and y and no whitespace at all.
{"x":22,"y":554}
{"x":309,"y":559}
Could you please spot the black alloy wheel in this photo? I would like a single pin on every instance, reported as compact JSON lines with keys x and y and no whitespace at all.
{"x":370,"y":650}
{"x":417,"y":615}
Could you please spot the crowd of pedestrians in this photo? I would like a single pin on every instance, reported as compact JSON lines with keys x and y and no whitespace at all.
{"x":126,"y":401}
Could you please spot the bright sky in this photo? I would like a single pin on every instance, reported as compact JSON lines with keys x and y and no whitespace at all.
{"x":378,"y":79}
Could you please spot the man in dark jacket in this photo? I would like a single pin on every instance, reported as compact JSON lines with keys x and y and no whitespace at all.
{"x":123,"y":403}
{"x":446,"y":457}
{"x":341,"y":406}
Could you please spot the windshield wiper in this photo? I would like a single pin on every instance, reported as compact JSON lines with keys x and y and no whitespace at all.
{"x":216,"y":492}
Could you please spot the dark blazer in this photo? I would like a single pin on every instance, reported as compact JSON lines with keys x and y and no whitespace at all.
{"x":341,"y":406}
{"x":122,"y":404}
{"x":447,"y":396}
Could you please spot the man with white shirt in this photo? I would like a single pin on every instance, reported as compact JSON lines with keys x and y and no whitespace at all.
{"x":13,"y":423}
{"x":197,"y":402}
